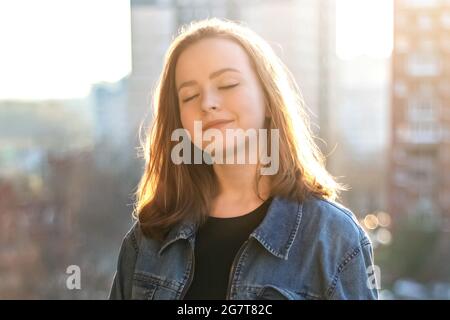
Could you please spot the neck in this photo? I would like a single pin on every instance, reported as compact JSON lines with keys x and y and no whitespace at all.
{"x":238,"y":192}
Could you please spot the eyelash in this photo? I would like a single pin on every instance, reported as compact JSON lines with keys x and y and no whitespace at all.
{"x":225,"y":88}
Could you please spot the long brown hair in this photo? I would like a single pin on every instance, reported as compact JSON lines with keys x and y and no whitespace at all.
{"x":167,"y":193}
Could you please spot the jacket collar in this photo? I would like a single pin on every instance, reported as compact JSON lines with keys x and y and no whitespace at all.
{"x":276,"y":232}
{"x":183,"y":230}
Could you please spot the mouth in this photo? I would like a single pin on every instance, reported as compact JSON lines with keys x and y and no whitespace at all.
{"x":216,"y":124}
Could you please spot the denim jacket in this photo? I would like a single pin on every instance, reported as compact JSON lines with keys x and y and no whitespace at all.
{"x":310,"y":250}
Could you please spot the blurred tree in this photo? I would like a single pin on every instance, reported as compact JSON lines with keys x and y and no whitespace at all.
{"x":415,"y":242}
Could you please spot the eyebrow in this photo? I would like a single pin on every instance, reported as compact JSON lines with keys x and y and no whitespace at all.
{"x":212,"y":75}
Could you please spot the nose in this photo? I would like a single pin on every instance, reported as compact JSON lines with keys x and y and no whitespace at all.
{"x":210,"y":101}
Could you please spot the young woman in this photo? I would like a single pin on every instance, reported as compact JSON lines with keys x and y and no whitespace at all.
{"x":211,"y":229}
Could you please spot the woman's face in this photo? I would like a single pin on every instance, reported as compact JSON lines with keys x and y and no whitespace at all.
{"x":215,"y":81}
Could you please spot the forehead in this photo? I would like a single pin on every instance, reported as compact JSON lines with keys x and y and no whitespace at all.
{"x":209,"y":55}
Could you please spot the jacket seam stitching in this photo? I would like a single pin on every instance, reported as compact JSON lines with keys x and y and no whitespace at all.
{"x":341,"y":267}
{"x":134,"y":242}
{"x":295,"y":230}
{"x":237,"y":272}
{"x":347,"y":213}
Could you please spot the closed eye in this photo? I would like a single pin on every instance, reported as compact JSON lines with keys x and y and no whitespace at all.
{"x":190,"y":98}
{"x":224,"y":87}
{"x":230,"y":86}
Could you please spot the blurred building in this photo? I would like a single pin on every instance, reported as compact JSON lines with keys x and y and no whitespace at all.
{"x":420,"y":155}
{"x":302,"y":33}
{"x":109,"y":106}
{"x":191,"y":10}
{"x":110,"y":117}
{"x":152,"y":26}
{"x":360,"y":131}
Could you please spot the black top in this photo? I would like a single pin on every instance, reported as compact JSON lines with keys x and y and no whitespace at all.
{"x":217,"y":243}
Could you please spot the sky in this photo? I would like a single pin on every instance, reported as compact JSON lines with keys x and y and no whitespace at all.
{"x":56,"y":49}
{"x":364,"y":27}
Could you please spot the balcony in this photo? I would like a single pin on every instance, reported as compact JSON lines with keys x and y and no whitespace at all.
{"x":419,"y":136}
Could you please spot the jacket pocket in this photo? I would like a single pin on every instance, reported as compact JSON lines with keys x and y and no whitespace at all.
{"x":151,"y":287}
{"x":272,"y":292}
{"x":142,"y":291}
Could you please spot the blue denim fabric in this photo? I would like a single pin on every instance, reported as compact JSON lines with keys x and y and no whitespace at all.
{"x":310,"y":250}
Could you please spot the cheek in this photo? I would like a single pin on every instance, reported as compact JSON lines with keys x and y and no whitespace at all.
{"x":187,"y":119}
{"x":250,"y":110}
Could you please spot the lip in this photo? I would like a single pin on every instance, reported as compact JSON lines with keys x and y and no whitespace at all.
{"x":216,"y":123}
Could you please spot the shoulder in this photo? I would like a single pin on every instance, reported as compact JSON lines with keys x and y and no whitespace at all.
{"x":136,"y":241}
{"x":332,"y":221}
{"x":332,"y":235}
{"x":133,"y":238}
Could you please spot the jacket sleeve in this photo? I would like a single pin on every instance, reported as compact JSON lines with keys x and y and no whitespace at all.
{"x":357,"y":277}
{"x":123,"y":277}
